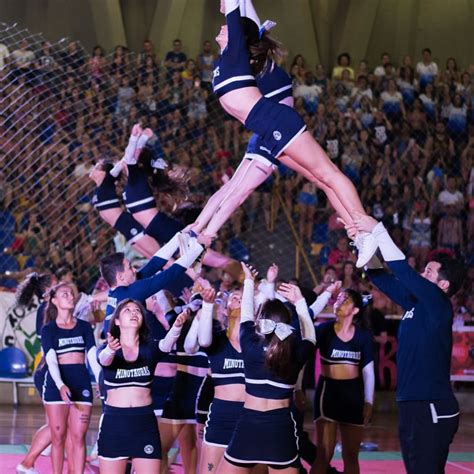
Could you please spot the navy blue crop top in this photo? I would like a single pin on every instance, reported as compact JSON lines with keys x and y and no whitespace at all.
{"x":78,"y":339}
{"x":275,"y":84}
{"x":358,"y":351}
{"x":233,"y":69}
{"x":227,"y":364}
{"x":139,"y":373}
{"x":259,"y":381}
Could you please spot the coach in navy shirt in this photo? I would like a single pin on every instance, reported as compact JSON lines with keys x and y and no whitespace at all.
{"x":428,"y":410}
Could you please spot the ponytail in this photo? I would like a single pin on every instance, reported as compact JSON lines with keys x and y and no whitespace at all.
{"x":35,"y":284}
{"x":278,"y":355}
{"x":264,"y":50}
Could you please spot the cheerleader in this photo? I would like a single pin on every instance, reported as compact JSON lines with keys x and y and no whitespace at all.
{"x":227,"y":374}
{"x":36,"y":284}
{"x":280,"y":128}
{"x":67,"y":392}
{"x":273,"y":357}
{"x":345,"y":392}
{"x":178,"y":419}
{"x":128,"y":428}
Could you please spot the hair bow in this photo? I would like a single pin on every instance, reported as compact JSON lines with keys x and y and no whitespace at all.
{"x":266,"y":26}
{"x":194,"y":305}
{"x":282,"y":330}
{"x":159,"y":164}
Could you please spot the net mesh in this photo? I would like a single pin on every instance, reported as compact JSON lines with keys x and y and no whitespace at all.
{"x":62,"y":110}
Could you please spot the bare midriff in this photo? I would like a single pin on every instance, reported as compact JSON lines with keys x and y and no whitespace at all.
{"x":198,"y":371}
{"x":240,"y":102}
{"x":265,"y":404}
{"x":166,"y":369}
{"x":71,"y":358}
{"x":340,"y":371}
{"x":129,"y":397}
{"x":233,"y":392}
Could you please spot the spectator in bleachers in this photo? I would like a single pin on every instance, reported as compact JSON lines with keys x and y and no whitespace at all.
{"x":343,"y":62}
{"x":23,"y":58}
{"x":379,"y":71}
{"x":175,"y":59}
{"x":426,"y":69}
{"x":205,"y":63}
{"x":450,"y":232}
{"x":451,"y":196}
{"x":148,"y":51}
{"x":4,"y":55}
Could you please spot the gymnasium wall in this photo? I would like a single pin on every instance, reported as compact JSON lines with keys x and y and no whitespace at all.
{"x":319,"y":29}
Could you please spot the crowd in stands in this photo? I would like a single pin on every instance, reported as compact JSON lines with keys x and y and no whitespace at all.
{"x":402,"y":131}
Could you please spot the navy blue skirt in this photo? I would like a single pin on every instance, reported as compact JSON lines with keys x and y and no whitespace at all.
{"x":160,"y":391}
{"x":127,"y":433}
{"x":180,"y":407}
{"x":76,"y":378}
{"x":341,"y":401}
{"x":264,"y":437}
{"x":204,"y":400}
{"x":222,"y":420}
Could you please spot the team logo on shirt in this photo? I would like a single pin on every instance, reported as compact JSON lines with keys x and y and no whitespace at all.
{"x":148,"y":449}
{"x":277,"y":135}
{"x":86,"y":393}
{"x":66,"y":341}
{"x":408,"y":314}
{"x":216,"y":72}
{"x":233,"y":364}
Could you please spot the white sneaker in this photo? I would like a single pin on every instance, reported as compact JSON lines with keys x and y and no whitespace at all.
{"x":20,"y":469}
{"x":366,"y":246}
{"x":46,"y":451}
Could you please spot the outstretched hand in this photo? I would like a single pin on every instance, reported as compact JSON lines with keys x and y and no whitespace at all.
{"x":334,"y":288}
{"x":249,"y":272}
{"x":209,"y":295}
{"x":290,"y":292}
{"x":181,"y":318}
{"x":113,"y":343}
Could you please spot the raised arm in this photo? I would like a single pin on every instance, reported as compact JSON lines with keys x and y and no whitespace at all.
{"x":322,"y":300}
{"x":143,"y":289}
{"x":158,"y":261}
{"x":168,"y":342}
{"x":247,"y":310}
{"x":293,"y":294}
{"x":205,"y":322}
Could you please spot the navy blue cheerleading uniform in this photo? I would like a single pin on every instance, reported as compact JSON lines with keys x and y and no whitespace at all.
{"x":180,"y":407}
{"x":204,"y":399}
{"x":75,"y":376}
{"x":429,"y":412}
{"x":148,"y":283}
{"x":227,"y":368}
{"x":162,"y":386}
{"x":276,"y":124}
{"x":342,"y":400}
{"x":126,"y":433}
{"x":275,"y":84}
{"x":268,"y":437}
